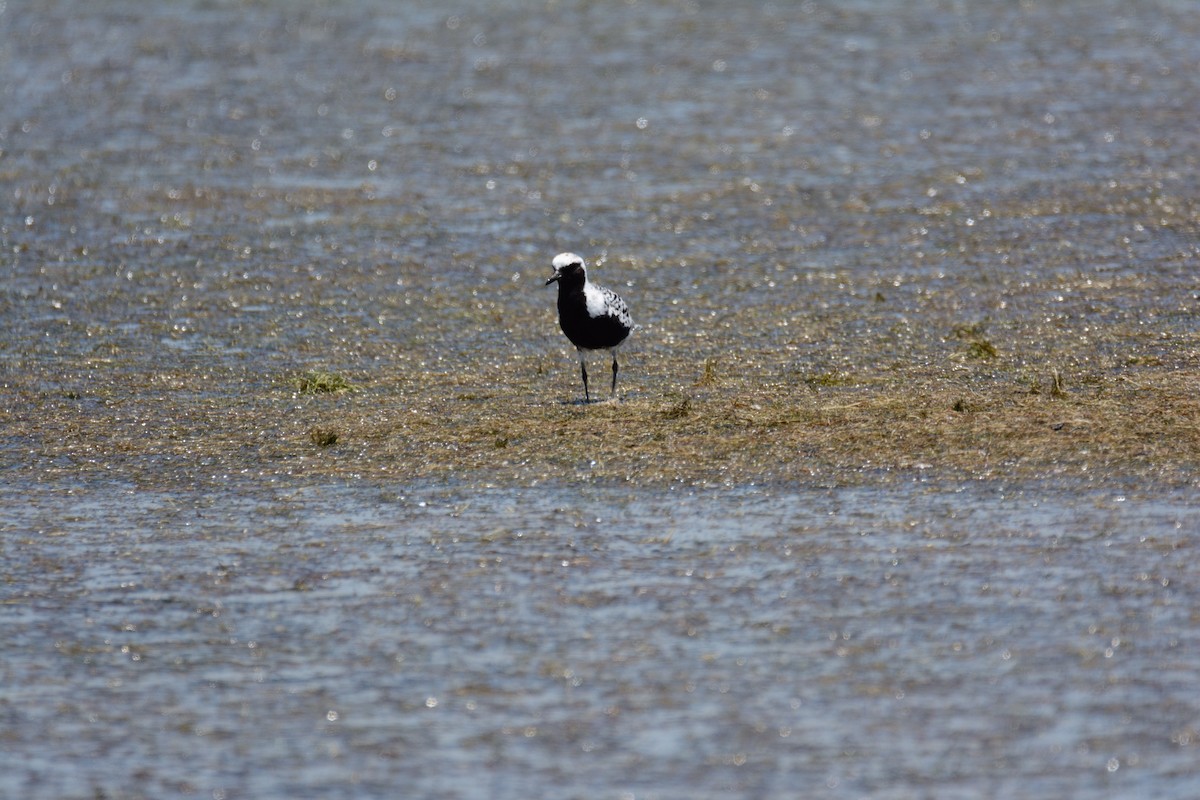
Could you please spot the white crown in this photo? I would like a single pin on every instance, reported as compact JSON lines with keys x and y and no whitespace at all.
{"x":563,"y":259}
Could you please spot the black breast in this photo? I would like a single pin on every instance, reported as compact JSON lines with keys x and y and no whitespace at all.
{"x":584,"y":330}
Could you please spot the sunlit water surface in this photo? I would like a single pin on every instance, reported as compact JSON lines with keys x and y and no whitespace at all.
{"x":586,"y":641}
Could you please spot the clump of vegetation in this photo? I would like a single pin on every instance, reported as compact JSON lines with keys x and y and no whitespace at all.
{"x":965,"y":331}
{"x":323,"y":437}
{"x":678,"y":410}
{"x":1057,"y":387}
{"x":982,"y":349}
{"x":978,"y":345}
{"x":710,"y":373}
{"x":320,"y":382}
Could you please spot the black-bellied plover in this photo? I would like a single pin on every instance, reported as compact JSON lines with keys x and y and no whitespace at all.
{"x":592,"y":317}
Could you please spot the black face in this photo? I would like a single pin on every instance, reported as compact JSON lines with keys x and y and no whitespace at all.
{"x":570,"y":273}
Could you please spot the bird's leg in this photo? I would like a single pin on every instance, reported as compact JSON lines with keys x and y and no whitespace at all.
{"x":614,"y":386}
{"x":583,"y":369}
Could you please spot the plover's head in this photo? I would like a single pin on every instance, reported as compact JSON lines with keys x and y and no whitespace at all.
{"x":568,"y":266}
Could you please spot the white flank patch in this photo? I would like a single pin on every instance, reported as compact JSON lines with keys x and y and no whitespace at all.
{"x":597,"y":306}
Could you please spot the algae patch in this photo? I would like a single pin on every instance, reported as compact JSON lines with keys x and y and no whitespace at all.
{"x":321,"y":382}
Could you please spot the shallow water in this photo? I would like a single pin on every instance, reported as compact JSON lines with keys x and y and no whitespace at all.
{"x":591,"y":641}
{"x":203,"y":197}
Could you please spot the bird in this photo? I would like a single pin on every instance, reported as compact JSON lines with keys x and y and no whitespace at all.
{"x":592,"y":317}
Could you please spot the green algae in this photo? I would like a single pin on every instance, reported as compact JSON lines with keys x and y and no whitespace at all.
{"x":317,"y":381}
